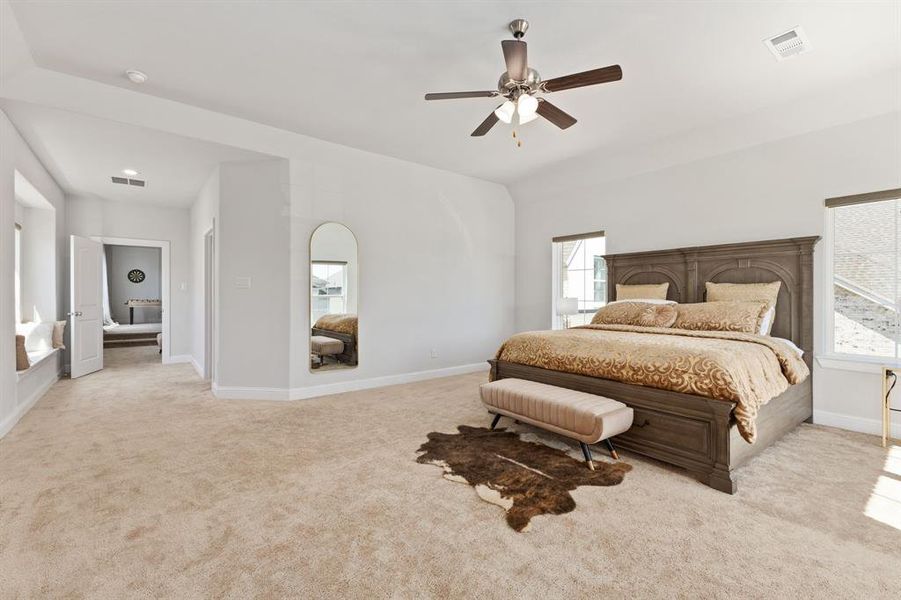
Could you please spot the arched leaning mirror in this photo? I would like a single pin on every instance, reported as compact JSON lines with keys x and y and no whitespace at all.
{"x":334,"y":295}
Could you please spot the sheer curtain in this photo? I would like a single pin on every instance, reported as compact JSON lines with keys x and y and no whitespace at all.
{"x":107,"y":315}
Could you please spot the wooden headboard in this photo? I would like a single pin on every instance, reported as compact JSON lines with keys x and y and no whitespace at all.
{"x":688,"y":269}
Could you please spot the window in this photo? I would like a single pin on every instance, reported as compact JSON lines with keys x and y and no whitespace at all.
{"x":329,"y":288}
{"x":864,"y":254}
{"x":18,"y":273}
{"x":579,"y":278}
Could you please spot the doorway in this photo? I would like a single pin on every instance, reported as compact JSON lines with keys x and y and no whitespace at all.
{"x":132,"y":281}
{"x":208,"y":301}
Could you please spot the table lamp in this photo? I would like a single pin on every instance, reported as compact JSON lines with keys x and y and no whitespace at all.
{"x":567,"y":307}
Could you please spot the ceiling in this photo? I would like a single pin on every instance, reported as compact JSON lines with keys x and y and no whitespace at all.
{"x":355,"y":72}
{"x":82,"y":153}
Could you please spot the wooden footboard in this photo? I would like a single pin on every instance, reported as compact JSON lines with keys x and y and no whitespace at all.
{"x":693,"y":432}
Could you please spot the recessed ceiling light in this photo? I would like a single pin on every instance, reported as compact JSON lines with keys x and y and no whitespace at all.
{"x":136,"y":76}
{"x":129,"y":172}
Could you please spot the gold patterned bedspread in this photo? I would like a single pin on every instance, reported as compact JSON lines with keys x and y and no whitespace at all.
{"x":746,"y":368}
{"x":340,"y":323}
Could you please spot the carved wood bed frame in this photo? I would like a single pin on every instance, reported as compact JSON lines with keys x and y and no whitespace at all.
{"x":693,"y":432}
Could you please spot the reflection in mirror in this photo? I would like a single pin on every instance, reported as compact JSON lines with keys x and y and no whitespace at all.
{"x":333,"y":298}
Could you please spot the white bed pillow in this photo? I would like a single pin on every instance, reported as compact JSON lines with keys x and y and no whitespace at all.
{"x":38,"y":336}
{"x":791,"y":345}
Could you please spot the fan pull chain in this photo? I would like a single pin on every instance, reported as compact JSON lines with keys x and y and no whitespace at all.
{"x":517,"y":139}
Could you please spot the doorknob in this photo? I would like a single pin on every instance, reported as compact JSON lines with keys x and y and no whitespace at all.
{"x":75,"y":314}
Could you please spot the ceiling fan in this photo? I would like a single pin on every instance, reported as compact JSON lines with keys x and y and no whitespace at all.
{"x":519,"y":85}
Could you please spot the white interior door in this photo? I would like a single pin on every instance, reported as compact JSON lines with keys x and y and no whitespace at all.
{"x":86,"y":302}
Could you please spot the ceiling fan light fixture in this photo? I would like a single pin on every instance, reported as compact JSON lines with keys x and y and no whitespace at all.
{"x":523,"y":119}
{"x":505,"y":111}
{"x":527,"y":106}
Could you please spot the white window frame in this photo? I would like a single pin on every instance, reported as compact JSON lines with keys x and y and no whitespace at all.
{"x":828,"y":357}
{"x":556,"y":259}
{"x":17,"y":274}
{"x":343,"y":293}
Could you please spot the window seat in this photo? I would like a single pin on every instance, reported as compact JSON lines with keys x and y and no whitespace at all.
{"x":36,"y":358}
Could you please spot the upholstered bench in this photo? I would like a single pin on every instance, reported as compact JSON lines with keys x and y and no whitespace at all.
{"x":326,"y":346}
{"x":586,"y":418}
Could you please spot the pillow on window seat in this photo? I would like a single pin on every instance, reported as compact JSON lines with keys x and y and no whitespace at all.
{"x":22,"y":362}
{"x":59,"y":328}
{"x":38,"y":336}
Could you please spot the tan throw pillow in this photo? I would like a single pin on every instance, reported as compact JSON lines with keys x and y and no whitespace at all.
{"x":747,"y":292}
{"x":651,"y":291}
{"x":22,"y":362}
{"x":635,"y":313}
{"x":743,"y":317}
{"x":59,"y":327}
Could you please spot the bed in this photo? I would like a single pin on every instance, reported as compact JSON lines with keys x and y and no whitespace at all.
{"x":340,"y":327}
{"x":691,"y":431}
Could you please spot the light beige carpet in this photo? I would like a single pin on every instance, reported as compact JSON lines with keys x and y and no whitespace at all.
{"x":136,"y":482}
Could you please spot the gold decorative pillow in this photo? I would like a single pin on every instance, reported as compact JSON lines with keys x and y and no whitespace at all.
{"x":22,"y":361}
{"x":745,"y":317}
{"x":651,"y":291}
{"x":635,"y":313}
{"x":747,"y":292}
{"x":59,"y":327}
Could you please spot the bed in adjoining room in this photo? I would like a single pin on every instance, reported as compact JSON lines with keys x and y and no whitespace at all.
{"x":705,"y":400}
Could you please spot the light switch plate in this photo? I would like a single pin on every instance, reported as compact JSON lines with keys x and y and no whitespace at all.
{"x":242,"y":283}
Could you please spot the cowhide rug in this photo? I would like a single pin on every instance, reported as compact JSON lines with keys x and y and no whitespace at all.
{"x":524,"y":478}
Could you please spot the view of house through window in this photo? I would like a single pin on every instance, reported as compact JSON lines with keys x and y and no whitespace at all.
{"x":865,"y":278}
{"x":329,"y":289}
{"x":580,"y":278}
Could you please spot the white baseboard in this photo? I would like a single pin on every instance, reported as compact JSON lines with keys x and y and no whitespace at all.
{"x":9,"y":422}
{"x":178,"y":358}
{"x":231,"y":392}
{"x":197,"y":367}
{"x":851,"y":423}
{"x":303,"y":393}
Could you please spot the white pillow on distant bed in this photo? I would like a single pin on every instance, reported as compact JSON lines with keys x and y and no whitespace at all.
{"x":791,"y":345}
{"x":38,"y":336}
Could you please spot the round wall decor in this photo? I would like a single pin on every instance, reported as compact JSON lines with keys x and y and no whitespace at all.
{"x":136,"y":276}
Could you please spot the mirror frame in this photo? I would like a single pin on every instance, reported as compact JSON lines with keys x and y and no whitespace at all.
{"x":356,"y":337}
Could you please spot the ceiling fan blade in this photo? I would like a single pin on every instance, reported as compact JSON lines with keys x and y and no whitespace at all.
{"x":554,"y":114}
{"x":515,"y":57}
{"x":577,"y":80}
{"x":455,"y":95}
{"x":486,"y":125}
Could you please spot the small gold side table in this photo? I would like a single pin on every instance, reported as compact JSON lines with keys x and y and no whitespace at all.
{"x":887,"y":409}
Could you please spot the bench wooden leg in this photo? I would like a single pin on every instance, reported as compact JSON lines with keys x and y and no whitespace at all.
{"x":586,"y":452}
{"x":497,"y":418}
{"x":612,"y":449}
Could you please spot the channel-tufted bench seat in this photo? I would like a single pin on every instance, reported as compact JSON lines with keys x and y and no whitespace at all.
{"x":326,"y":346}
{"x":586,"y":418}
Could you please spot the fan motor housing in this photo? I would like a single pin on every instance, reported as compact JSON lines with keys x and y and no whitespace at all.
{"x":532,"y":82}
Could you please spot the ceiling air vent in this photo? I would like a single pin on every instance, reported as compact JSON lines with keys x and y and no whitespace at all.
{"x":791,"y":43}
{"x":126,"y":181}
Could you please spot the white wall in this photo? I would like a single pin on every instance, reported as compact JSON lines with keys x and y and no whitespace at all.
{"x":90,"y":216}
{"x":769,"y":191}
{"x":15,"y":155}
{"x":204,"y":213}
{"x":435,"y":265}
{"x":253,"y":242}
{"x":119,"y":261}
